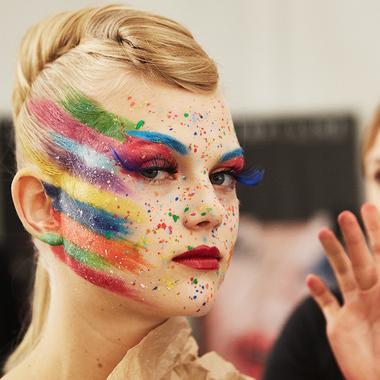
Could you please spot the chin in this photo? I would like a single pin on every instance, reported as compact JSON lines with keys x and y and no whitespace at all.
{"x":187,"y":307}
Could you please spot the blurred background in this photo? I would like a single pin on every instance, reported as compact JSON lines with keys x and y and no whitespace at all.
{"x":302,"y":80}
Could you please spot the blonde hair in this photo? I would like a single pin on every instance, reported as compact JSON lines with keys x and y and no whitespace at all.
{"x":77,"y":50}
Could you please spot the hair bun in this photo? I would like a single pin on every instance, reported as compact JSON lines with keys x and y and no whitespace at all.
{"x":43,"y":43}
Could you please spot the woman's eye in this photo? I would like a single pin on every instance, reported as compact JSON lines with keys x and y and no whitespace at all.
{"x":157,"y":173}
{"x":149,"y":173}
{"x":222,"y":178}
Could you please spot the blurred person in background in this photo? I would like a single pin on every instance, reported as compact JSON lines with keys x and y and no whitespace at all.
{"x":302,"y":350}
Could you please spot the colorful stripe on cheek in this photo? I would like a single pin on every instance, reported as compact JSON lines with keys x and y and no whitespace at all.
{"x":98,"y":220}
{"x":98,"y":278}
{"x":86,"y":257}
{"x":123,"y":254}
{"x":101,"y":199}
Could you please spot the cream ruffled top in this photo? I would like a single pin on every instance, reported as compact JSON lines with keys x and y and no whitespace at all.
{"x":169,"y":352}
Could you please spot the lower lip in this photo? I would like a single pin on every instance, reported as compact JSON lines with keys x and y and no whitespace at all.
{"x":200,"y":263}
{"x":201,"y":258}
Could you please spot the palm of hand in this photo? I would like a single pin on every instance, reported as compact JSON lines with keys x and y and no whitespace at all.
{"x":354,"y":328}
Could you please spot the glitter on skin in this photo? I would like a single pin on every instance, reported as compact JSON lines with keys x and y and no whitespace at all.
{"x":91,"y":157}
{"x":97,"y":219}
{"x":100,"y":174}
{"x":85,"y":193}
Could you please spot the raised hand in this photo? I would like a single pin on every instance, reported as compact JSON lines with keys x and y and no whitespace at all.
{"x":353,"y":329}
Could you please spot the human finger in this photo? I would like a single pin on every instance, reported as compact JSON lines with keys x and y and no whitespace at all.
{"x":363,"y":265}
{"x":339,"y":260}
{"x":322,"y":296}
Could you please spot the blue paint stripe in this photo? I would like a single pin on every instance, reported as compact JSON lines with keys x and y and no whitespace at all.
{"x":229,"y":155}
{"x":161,"y":138}
{"x":90,"y":157}
{"x":100,"y":221}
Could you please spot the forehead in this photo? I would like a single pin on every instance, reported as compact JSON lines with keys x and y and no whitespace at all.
{"x":179,"y":113}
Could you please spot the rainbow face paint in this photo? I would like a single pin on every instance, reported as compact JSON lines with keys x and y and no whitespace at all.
{"x":145,"y":198}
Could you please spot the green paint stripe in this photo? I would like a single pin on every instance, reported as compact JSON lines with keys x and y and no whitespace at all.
{"x":86,"y":257}
{"x":51,"y":239}
{"x":91,"y":114}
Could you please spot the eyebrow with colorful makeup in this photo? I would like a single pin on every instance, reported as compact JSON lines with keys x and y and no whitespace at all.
{"x":161,"y":138}
{"x":151,"y":150}
{"x":245,"y":175}
{"x":119,"y":128}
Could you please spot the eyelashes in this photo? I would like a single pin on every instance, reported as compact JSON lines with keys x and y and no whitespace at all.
{"x":249,"y":176}
{"x":132,"y":163}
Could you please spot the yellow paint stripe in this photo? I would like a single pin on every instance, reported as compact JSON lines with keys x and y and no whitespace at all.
{"x":101,"y":199}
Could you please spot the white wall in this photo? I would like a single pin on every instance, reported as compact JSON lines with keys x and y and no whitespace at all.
{"x":276,"y":56}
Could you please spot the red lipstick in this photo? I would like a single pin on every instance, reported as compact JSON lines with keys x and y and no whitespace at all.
{"x":201,"y":257}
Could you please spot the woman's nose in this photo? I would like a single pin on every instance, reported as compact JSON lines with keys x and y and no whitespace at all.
{"x":205,"y":211}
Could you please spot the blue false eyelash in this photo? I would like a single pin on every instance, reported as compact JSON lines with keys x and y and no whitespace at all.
{"x":250,"y":176}
{"x":132,"y":164}
{"x":118,"y":159}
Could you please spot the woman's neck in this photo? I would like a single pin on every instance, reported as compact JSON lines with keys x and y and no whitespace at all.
{"x":87,"y":333}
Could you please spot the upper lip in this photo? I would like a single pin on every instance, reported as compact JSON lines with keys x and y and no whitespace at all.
{"x":202,"y":251}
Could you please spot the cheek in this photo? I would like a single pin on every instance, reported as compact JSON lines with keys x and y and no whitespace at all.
{"x":97,"y":227}
{"x":231,"y":216}
{"x":231,"y":224}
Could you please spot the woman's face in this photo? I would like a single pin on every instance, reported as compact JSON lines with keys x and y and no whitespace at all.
{"x":149,"y":208}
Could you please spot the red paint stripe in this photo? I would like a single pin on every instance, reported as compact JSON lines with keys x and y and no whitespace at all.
{"x":112,"y":250}
{"x":96,"y":277}
{"x":54,"y":117}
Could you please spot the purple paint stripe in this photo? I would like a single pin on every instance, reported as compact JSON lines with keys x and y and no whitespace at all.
{"x":54,"y":117}
{"x":101,"y":178}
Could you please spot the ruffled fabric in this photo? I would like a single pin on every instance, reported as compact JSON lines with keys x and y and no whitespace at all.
{"x":169,"y":352}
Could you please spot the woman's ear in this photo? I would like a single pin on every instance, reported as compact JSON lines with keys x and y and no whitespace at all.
{"x":32,"y":204}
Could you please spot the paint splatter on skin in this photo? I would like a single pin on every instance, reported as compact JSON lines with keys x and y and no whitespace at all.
{"x":139,"y":185}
